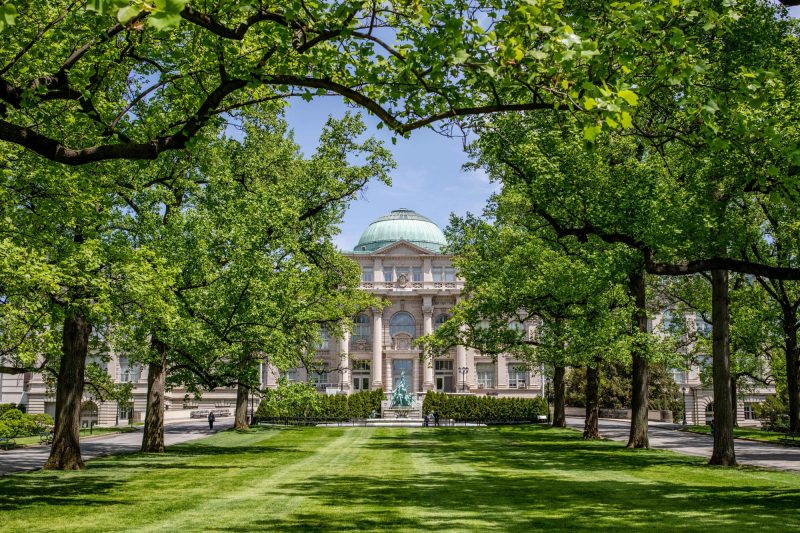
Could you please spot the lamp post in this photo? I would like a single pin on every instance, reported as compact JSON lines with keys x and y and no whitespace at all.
{"x":463,"y":370}
{"x":683,"y":390}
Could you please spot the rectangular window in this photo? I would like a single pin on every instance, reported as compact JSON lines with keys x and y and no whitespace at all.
{"x":366,"y":273}
{"x":438,"y":273}
{"x":388,"y":274}
{"x":416,"y":273}
{"x":318,"y":378}
{"x":485,"y":372}
{"x":749,"y":411}
{"x":290,"y":375}
{"x":449,"y":274}
{"x":443,"y":365}
{"x":517,"y":376}
{"x":402,"y":367}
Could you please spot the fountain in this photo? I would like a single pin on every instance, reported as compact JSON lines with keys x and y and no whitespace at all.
{"x":402,"y":403}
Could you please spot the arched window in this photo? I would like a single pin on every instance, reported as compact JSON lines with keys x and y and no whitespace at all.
{"x":402,"y":322}
{"x":362,"y":330}
{"x":441,"y":319}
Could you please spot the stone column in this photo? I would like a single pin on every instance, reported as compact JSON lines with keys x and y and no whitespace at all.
{"x":377,"y":348}
{"x":344,"y":354}
{"x":427,"y":329}
{"x":427,"y":273}
{"x":387,"y":375}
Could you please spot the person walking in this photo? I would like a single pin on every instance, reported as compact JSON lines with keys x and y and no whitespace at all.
{"x":211,"y":419}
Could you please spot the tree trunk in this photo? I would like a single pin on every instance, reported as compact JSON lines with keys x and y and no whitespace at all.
{"x":65,"y":453}
{"x":792,"y":366}
{"x":559,"y":397}
{"x":153,"y":437}
{"x":723,"y":454}
{"x":591,"y":430}
{"x":734,"y":405}
{"x":240,"y":421}
{"x":639,"y":401}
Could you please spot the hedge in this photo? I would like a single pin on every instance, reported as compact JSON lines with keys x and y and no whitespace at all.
{"x":14,"y":423}
{"x":468,"y":407}
{"x":296,"y":404}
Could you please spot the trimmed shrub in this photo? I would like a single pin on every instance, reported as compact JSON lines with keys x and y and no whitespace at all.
{"x":6,"y":407}
{"x":487,"y":408}
{"x":18,"y":424}
{"x":299,"y":400}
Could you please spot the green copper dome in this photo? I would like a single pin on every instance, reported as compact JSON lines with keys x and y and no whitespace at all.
{"x":405,"y":225}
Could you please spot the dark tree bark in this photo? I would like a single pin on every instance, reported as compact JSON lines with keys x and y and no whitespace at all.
{"x":640,"y":400}
{"x":792,"y":366}
{"x":559,"y":397}
{"x":734,"y":406}
{"x":240,"y":419}
{"x":153,"y":437}
{"x":65,"y":454}
{"x":591,"y":429}
{"x":723,"y":454}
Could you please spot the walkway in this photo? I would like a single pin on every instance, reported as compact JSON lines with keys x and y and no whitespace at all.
{"x":667,"y":437}
{"x":33,"y":457}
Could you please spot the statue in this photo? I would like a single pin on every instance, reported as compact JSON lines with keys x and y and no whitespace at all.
{"x":400,"y":396}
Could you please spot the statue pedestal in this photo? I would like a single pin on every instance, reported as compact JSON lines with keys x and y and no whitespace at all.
{"x":396,"y":413}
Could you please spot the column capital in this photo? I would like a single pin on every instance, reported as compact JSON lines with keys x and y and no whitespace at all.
{"x":427,"y":310}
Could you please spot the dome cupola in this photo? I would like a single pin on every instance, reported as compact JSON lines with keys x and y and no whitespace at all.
{"x":401,"y":225}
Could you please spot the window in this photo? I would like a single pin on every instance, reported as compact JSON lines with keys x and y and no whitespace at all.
{"x":703,"y":328}
{"x":444,"y":365}
{"x":318,"y":376}
{"x":402,"y":271}
{"x":325,"y":339}
{"x":402,"y":367}
{"x":449,"y":274}
{"x":416,"y":273}
{"x":517,"y":376}
{"x":128,"y":372}
{"x":290,"y":375}
{"x":361,"y":373}
{"x":366,"y":273}
{"x":444,"y":375}
{"x":441,"y":319}
{"x":402,"y":322}
{"x":362,"y":330}
{"x":485,"y":373}
{"x":438,"y":273}
{"x":387,"y":274}
{"x":518,"y":327}
{"x":749,"y":411}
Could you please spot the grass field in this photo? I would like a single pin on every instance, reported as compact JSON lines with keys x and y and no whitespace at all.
{"x":389,"y":479}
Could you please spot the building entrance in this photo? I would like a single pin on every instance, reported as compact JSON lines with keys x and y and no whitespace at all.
{"x":444,"y":376}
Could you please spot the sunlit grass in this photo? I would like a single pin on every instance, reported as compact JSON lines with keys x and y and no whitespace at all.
{"x":390,"y":479}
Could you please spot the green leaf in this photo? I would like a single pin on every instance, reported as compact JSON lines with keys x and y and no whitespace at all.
{"x":590,"y":133}
{"x":626,"y":120}
{"x":629,"y":96}
{"x":127,"y":13}
{"x":8,"y":16}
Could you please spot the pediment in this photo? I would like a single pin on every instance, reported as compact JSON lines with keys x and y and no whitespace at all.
{"x":402,"y":248}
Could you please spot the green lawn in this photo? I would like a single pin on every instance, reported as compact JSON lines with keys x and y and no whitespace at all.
{"x":744,"y":433}
{"x":389,"y":479}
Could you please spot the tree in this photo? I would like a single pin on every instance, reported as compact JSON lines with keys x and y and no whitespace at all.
{"x":250,"y":236}
{"x":114,"y":79}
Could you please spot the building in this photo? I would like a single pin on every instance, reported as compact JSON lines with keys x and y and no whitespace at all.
{"x":401,"y":260}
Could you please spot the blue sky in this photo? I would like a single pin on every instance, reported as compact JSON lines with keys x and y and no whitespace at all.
{"x":428,"y":179}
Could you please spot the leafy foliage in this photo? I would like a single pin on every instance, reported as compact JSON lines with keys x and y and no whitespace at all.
{"x":470,"y":407}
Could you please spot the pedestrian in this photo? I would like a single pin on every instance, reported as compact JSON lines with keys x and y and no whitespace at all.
{"x":436,"y":419}
{"x":426,"y":420}
{"x":211,"y":419}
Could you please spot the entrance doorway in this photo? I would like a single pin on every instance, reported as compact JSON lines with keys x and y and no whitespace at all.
{"x":361,"y":374}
